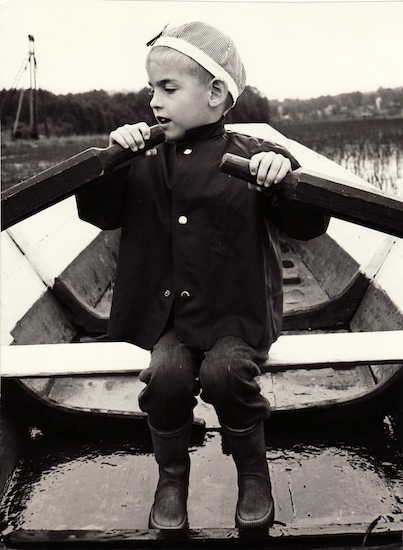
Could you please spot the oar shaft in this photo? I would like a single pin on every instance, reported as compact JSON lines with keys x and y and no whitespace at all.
{"x":341,"y":199}
{"x":64,"y":179}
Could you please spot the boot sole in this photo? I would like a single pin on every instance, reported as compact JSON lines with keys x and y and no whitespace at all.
{"x":262,"y":523}
{"x":152,"y":524}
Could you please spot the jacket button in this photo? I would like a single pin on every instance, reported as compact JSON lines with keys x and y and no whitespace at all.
{"x":187,"y":151}
{"x":183,"y":220}
{"x":185,"y":295}
{"x":167,"y":293}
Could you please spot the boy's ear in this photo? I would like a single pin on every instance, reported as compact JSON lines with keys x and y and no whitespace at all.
{"x":218,"y":92}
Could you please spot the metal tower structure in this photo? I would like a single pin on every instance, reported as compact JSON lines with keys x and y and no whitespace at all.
{"x":28,"y":64}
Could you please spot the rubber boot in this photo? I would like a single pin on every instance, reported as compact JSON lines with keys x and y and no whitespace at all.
{"x":172,"y":455}
{"x":255,"y":506}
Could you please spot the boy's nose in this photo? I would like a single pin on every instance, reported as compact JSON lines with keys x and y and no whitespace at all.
{"x":155,"y":103}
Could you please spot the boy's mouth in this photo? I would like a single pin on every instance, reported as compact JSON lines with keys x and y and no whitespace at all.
{"x":162,"y":120}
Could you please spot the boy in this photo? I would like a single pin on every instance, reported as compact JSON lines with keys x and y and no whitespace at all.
{"x":199,"y":276}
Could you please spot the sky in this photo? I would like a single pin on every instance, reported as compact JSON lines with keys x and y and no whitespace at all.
{"x":290,"y":49}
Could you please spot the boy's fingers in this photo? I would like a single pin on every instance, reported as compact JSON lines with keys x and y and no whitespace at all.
{"x":276,"y":170}
{"x":268,"y":169}
{"x":256,"y":161}
{"x":284,"y":169}
{"x":144,"y":129}
{"x":115,"y":137}
{"x":125,"y":138}
{"x":273,"y":171}
{"x":131,"y":136}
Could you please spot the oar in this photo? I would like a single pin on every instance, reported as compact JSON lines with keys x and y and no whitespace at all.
{"x":64,"y":179}
{"x":362,"y":205}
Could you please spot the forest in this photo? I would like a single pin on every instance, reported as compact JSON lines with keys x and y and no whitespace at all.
{"x":98,"y":112}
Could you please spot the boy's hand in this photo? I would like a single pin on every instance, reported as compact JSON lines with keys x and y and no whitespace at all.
{"x":132,"y":136}
{"x":269,"y":168}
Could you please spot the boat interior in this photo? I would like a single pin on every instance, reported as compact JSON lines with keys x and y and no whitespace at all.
{"x":77,"y":468}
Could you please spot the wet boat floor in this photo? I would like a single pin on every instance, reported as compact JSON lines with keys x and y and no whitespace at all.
{"x":73,"y":482}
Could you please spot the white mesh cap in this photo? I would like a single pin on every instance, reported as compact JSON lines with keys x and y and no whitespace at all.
{"x":210,"y":48}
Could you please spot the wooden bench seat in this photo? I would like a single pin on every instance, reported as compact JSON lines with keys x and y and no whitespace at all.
{"x":290,"y":351}
{"x":308,"y":371}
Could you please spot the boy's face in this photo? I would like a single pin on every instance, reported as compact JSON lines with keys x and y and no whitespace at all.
{"x":179,"y":101}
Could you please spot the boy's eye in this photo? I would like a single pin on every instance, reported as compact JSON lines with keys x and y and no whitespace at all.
{"x":150,"y":92}
{"x":170,"y":90}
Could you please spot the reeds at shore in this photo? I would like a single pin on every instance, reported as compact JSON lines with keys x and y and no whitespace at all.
{"x":371,"y":149}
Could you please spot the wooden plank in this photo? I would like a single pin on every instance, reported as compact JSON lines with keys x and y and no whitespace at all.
{"x":84,"y":315}
{"x":292,"y":389}
{"x":301,"y":388}
{"x":390,"y":275}
{"x":63,"y":180}
{"x":67,"y":359}
{"x":11,"y":443}
{"x":365,"y":246}
{"x":53,"y":238}
{"x":113,"y":395}
{"x":20,"y":287}
{"x":358,"y":348}
{"x":357,"y":203}
{"x":296,"y":351}
{"x":384,"y":373}
{"x":46,"y":322}
{"x":327,"y":313}
{"x":117,"y":393}
{"x":93,"y":270}
{"x":377,"y":311}
{"x":277,"y":537}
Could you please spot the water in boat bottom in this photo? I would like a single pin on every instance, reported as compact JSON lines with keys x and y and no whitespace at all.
{"x":320,"y":476}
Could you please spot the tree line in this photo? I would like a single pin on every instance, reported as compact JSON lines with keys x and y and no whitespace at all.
{"x":99,"y":112}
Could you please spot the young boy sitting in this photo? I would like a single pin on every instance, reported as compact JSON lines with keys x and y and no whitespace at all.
{"x":199,"y":275}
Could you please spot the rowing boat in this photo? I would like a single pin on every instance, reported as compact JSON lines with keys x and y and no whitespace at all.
{"x":343,"y":311}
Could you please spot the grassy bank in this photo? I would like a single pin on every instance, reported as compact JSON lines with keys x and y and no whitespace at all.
{"x":23,"y":158}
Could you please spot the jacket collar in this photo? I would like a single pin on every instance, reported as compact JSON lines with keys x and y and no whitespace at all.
{"x":204,"y":132}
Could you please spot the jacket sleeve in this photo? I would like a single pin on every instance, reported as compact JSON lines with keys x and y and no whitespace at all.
{"x":298,"y":223}
{"x":101,"y":203}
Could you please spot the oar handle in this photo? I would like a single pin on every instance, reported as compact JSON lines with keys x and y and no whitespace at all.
{"x":357,"y":203}
{"x":236,"y":166}
{"x":115,"y":154}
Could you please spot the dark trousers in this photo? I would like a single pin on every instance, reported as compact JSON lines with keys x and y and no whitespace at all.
{"x":225,"y":374}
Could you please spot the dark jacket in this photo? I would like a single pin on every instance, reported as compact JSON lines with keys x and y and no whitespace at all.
{"x":197,"y":242}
